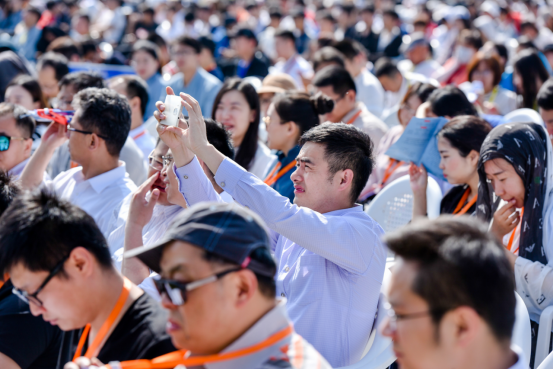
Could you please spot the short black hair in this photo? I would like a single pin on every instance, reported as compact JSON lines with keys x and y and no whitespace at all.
{"x":9,"y":190}
{"x":337,"y":77}
{"x":219,"y":138}
{"x":189,"y":41}
{"x":328,"y":54}
{"x":56,"y":61}
{"x":502,"y":50}
{"x":391,"y":13}
{"x":466,"y":133}
{"x":24,"y":122}
{"x":81,"y":80}
{"x":39,"y":230}
{"x":107,"y":113}
{"x":349,"y":48}
{"x":285,"y":34}
{"x":66,"y":46}
{"x":33,"y":10}
{"x":346,"y":147}
{"x":385,"y":67}
{"x":459,"y":264}
{"x":134,"y":86}
{"x":450,"y":101}
{"x":368,"y":9}
{"x":544,"y":97}
{"x":207,"y":43}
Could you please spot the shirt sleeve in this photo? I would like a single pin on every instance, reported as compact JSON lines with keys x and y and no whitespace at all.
{"x":348,"y":241}
{"x":194,"y":185}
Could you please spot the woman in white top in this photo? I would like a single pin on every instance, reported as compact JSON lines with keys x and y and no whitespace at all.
{"x":237,"y":107}
{"x":495,"y":99}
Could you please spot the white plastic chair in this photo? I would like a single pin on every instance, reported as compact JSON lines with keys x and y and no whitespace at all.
{"x":521,"y":333}
{"x":392,"y":207}
{"x":547,"y":363}
{"x":543,"y":336}
{"x":524,"y":115}
{"x":378,"y":353}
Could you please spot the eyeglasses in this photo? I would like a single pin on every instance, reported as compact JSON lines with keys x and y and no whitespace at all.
{"x":394,"y":318}
{"x":32,"y":297}
{"x":71,"y":129}
{"x":160,"y":165}
{"x":5,"y":141}
{"x":177,"y":291}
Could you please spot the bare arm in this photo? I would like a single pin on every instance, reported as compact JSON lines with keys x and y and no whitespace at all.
{"x":7,"y":363}
{"x":418,"y":183}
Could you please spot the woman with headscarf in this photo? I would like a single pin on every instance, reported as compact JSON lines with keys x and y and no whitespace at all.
{"x":516,"y":165}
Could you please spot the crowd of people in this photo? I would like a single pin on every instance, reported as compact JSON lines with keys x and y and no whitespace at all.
{"x":238,"y":238}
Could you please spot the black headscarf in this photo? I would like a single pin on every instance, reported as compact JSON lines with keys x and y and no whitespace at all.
{"x":524,"y":145}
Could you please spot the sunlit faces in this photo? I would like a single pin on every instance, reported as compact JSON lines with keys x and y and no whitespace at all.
{"x":279,"y":135}
{"x":235,"y":114}
{"x":65,"y":97}
{"x":507,"y":184}
{"x":456,"y":169}
{"x":156,"y":165}
{"x":414,"y":340}
{"x":20,"y":96}
{"x":185,"y":57}
{"x":171,"y":183}
{"x":18,"y":150}
{"x":484,"y":74}
{"x":200,"y":324}
{"x":144,"y":64}
{"x":48,"y":82}
{"x":546,"y":116}
{"x":265,"y":101}
{"x":343,"y":104}
{"x":392,"y":84}
{"x":408,"y":110}
{"x":284,"y":47}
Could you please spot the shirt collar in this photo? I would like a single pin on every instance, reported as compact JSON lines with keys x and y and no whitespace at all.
{"x":18,"y":169}
{"x":357,"y":208}
{"x":359,"y":106}
{"x":101,"y":181}
{"x":136,"y":131}
{"x":293,"y":153}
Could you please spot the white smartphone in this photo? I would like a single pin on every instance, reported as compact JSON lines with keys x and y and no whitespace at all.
{"x":172,"y":110}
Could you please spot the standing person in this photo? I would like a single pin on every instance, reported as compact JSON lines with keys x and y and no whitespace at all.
{"x":249,"y":61}
{"x":289,"y":61}
{"x":192,"y":79}
{"x":442,"y":314}
{"x":136,"y":92}
{"x":288,"y":118}
{"x":545,"y":101}
{"x":529,"y":75}
{"x":340,"y":258}
{"x":51,"y":67}
{"x":459,"y":143}
{"x":337,"y":84}
{"x":496,"y":99}
{"x":271,"y":85}
{"x":237,"y":107}
{"x":97,"y":134}
{"x":368,"y":88}
{"x":146,"y":62}
{"x":57,"y":259}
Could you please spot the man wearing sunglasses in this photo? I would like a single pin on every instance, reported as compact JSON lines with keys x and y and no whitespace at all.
{"x":16,"y":130}
{"x":452,"y":301}
{"x":59,"y":263}
{"x":96,"y":136}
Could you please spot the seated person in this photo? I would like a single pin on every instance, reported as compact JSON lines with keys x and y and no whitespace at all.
{"x":459,"y":144}
{"x":272,"y":85}
{"x":517,"y":161}
{"x":341,"y":256}
{"x":16,"y":143}
{"x":26,"y":341}
{"x":136,"y":92}
{"x":326,"y":56}
{"x":97,"y":133}
{"x":249,"y":61}
{"x":450,"y":102}
{"x":57,"y":260}
{"x":544,"y":101}
{"x":289,"y":117}
{"x":442,"y":313}
{"x":61,"y":161}
{"x":393,"y":81}
{"x":338,"y":85}
{"x":51,"y":68}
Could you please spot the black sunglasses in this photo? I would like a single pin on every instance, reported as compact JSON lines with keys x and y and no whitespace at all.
{"x":32,"y":297}
{"x":5,"y":141}
{"x":177,"y":291}
{"x":71,"y":129}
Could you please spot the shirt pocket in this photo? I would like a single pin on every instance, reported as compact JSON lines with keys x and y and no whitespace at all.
{"x":308,"y":281}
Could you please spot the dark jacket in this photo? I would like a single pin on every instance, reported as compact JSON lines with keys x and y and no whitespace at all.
{"x":259,"y":67}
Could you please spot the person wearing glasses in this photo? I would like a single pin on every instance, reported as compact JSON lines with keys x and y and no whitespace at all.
{"x":338,"y":85}
{"x":441,"y":313}
{"x":95,"y":137}
{"x":26,"y":341}
{"x":60,"y":265}
{"x":192,"y":79}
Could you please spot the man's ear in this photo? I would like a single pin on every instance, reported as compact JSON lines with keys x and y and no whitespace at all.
{"x":460,"y":327}
{"x":27,"y":148}
{"x":93,"y":141}
{"x":246,"y":285}
{"x":80,"y":261}
{"x":351,"y":96}
{"x":135,"y":103}
{"x":344,"y":179}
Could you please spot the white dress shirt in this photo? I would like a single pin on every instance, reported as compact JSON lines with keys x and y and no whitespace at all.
{"x":296,"y":67}
{"x":361,"y":118}
{"x":370,"y":92}
{"x":330,"y":266}
{"x":262,"y":162}
{"x":98,"y":196}
{"x":144,"y":141}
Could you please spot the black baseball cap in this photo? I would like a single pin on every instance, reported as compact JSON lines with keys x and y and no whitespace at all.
{"x":229,"y":231}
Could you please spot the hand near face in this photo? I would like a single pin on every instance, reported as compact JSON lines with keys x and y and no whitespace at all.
{"x":505,"y":220}
{"x":171,"y":136}
{"x":55,"y":136}
{"x":141,"y":209}
{"x":195,"y":137}
{"x":418,"y":179}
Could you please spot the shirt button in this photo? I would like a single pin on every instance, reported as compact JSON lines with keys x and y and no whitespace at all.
{"x":287,"y":269}
{"x":222,"y":184}
{"x":186,"y":177}
{"x":282,"y":294}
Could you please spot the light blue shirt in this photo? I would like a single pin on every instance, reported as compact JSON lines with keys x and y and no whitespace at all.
{"x":27,"y":43}
{"x":330,"y":266}
{"x":156,"y":88}
{"x":203,"y":87}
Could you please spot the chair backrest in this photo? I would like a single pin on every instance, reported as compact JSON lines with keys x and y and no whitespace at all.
{"x":521,"y":334}
{"x":547,"y":363}
{"x":523,"y":115}
{"x":392,"y":207}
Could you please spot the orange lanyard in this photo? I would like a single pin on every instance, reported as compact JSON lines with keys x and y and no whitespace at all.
{"x":6,"y":277}
{"x":139,"y":135}
{"x":509,"y":246}
{"x":91,"y":351}
{"x":459,"y":212}
{"x":176,"y":358}
{"x":390,"y":170}
{"x":272,"y":177}
{"x":351,"y":120}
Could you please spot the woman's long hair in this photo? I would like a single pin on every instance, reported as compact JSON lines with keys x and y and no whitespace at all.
{"x":529,"y":66}
{"x":249,"y":145}
{"x":31,"y":85}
